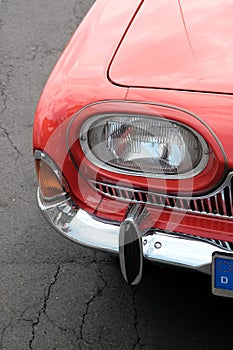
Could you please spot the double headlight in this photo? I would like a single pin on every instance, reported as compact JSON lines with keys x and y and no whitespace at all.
{"x":143,"y":146}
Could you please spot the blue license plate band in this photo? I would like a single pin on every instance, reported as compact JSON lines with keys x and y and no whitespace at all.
{"x":222,"y":274}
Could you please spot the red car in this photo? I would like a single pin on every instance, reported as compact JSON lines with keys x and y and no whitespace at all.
{"x":133,"y":136}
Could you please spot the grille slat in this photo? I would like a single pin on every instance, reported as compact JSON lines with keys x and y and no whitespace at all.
{"x":218,"y":203}
{"x":230,"y":200}
{"x":209,"y":205}
{"x":224,"y":203}
{"x":227,"y":245}
{"x":195,"y":205}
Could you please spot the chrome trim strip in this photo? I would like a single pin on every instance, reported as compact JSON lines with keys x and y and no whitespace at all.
{"x":174,"y":249}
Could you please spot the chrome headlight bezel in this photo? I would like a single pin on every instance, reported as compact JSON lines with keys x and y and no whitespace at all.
{"x":106,"y":166}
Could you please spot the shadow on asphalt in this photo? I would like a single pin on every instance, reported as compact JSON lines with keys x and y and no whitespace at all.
{"x":177,"y":310}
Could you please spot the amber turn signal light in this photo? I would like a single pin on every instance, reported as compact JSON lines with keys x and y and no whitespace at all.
{"x":50,"y":185}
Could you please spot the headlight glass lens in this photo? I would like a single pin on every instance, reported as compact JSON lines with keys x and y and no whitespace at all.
{"x":140,"y":144}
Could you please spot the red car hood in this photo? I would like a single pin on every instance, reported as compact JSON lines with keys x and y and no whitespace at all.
{"x":172,"y":44}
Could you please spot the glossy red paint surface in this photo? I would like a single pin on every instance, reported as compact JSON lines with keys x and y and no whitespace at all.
{"x":80,"y":78}
{"x":185,"y":45}
{"x":176,"y":221}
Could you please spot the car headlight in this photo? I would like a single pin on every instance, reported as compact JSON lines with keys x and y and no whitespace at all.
{"x":143,"y":145}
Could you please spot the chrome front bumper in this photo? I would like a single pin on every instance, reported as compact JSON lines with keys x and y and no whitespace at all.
{"x":82,"y":228}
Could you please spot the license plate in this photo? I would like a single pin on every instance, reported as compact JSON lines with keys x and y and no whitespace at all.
{"x":222,"y":274}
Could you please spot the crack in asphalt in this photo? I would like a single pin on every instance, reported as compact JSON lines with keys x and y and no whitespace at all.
{"x":90,"y":301}
{"x":3,"y":88}
{"x":138,"y":338}
{"x":55,"y":324}
{"x":4,"y":99}
{"x":10,"y":140}
{"x":12,"y":323}
{"x":3,"y":333}
{"x":62,"y":329}
{"x":42,"y":311}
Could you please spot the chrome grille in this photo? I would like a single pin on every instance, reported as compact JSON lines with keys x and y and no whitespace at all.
{"x":218,"y":203}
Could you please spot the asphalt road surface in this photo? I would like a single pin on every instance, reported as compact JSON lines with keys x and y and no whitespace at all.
{"x":54,"y":294}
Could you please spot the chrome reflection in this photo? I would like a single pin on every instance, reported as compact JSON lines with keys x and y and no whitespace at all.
{"x":162,"y":247}
{"x":132,"y":229}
